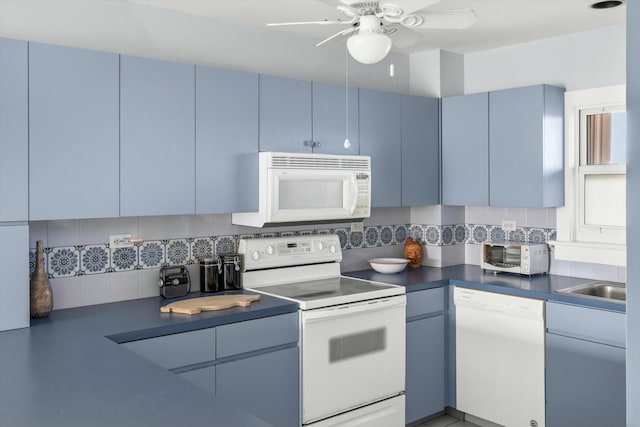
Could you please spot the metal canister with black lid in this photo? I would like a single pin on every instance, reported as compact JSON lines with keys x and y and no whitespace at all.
{"x":232,"y":266}
{"x":211,"y":274}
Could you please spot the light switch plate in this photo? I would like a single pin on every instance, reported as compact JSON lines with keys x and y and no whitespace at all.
{"x":120,"y":241}
{"x":509,"y":226}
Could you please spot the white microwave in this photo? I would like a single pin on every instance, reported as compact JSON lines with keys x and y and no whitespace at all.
{"x":310,"y":188}
{"x":514,"y":257}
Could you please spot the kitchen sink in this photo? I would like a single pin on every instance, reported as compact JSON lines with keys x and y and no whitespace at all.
{"x":603,"y":290}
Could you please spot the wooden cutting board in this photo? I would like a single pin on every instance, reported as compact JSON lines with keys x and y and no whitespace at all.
{"x":197,"y":305}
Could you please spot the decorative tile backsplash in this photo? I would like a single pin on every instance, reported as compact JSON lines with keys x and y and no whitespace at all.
{"x":83,"y":260}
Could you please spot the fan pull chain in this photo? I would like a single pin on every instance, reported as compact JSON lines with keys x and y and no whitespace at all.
{"x":347,"y":143}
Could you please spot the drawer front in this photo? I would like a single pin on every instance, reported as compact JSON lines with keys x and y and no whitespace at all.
{"x":252,"y":335}
{"x":603,"y":326}
{"x":425,"y":302}
{"x":174,"y":351}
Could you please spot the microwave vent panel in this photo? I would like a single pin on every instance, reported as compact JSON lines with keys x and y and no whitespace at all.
{"x":323,"y":163}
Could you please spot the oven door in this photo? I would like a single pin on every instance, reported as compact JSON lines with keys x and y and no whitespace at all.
{"x":352,"y":355}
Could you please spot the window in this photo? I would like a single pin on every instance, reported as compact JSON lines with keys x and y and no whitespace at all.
{"x":591,"y":225}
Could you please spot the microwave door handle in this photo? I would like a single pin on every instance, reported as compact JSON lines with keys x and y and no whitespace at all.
{"x":354,"y":185}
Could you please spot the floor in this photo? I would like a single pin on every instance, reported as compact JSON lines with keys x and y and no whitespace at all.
{"x":446,"y":421}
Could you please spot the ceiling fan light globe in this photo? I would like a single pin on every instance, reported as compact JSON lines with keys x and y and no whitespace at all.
{"x":369,"y":48}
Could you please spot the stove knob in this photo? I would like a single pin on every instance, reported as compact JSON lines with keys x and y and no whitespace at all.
{"x":269,"y":250}
{"x":255,"y":255}
{"x":320,"y":246}
{"x":332,"y":249}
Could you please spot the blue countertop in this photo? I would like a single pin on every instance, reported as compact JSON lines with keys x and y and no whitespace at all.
{"x":68,"y":370}
{"x":540,"y":286}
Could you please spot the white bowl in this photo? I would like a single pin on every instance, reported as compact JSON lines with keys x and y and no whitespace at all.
{"x":389,"y":265}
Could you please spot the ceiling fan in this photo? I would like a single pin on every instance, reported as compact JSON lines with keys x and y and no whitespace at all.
{"x":372,"y":22}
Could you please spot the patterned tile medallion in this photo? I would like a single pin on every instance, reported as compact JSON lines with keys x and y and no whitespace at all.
{"x":124,"y":259}
{"x":497,"y":234}
{"x":63,"y":261}
{"x":201,"y":247}
{"x":94,"y":259}
{"x":447,"y":235}
{"x":151,"y":254}
{"x":537,"y":235}
{"x":356,"y":239}
{"x":177,"y":252}
{"x":386,"y":235}
{"x":372,"y":237}
{"x":432,"y":235}
{"x":553,"y":234}
{"x":460,"y":234}
{"x":343,"y":236}
{"x":400,"y":234}
{"x":479,"y":233}
{"x":518,"y":235}
{"x":416,"y":232}
{"x":225,"y":245}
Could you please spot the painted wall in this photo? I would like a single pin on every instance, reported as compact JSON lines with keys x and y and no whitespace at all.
{"x":582,"y":60}
{"x":633,"y":213}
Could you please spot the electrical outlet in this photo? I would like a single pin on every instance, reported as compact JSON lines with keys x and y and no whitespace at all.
{"x":120,"y":241}
{"x":357,"y":226}
{"x":509,"y":226}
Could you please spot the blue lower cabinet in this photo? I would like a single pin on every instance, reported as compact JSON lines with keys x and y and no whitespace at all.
{"x":585,"y":367}
{"x":585,"y":383}
{"x":267,"y":385}
{"x":253,"y":364}
{"x":425,"y":379}
{"x":426,"y":373}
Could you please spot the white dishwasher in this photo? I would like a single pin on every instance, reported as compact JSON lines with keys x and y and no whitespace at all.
{"x":500,"y":357}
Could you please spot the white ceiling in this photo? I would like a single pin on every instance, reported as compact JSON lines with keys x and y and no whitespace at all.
{"x":499,"y":22}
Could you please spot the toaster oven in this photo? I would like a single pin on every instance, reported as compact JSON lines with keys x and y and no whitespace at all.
{"x":514,"y":257}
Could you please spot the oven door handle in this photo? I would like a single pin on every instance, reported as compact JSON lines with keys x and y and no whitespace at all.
{"x":350,"y":309}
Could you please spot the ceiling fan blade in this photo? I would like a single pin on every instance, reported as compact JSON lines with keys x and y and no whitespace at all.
{"x":338,"y":34}
{"x":405,"y":38}
{"x":407,"y":6}
{"x":446,"y":19}
{"x":325,"y":22}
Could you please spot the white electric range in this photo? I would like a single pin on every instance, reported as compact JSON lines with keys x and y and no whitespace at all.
{"x":352,"y":330}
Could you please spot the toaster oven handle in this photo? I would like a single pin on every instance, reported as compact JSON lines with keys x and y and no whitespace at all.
{"x":354,"y":185}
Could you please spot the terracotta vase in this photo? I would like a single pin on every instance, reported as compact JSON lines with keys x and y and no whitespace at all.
{"x":40,"y":288}
{"x":413,"y":252}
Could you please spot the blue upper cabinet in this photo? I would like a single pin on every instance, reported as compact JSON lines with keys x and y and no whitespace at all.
{"x":226,"y":141}
{"x":14,"y":131}
{"x":526,"y":147}
{"x":465,"y":150}
{"x":157,"y":137}
{"x":73,"y":133}
{"x":330,"y":118}
{"x":420,"y":151}
{"x":380,"y":138}
{"x":285,"y":114}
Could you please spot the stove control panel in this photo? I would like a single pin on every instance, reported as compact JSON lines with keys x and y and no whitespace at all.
{"x":290,"y":251}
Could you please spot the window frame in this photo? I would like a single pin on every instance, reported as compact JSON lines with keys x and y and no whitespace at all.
{"x":576,"y":240}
